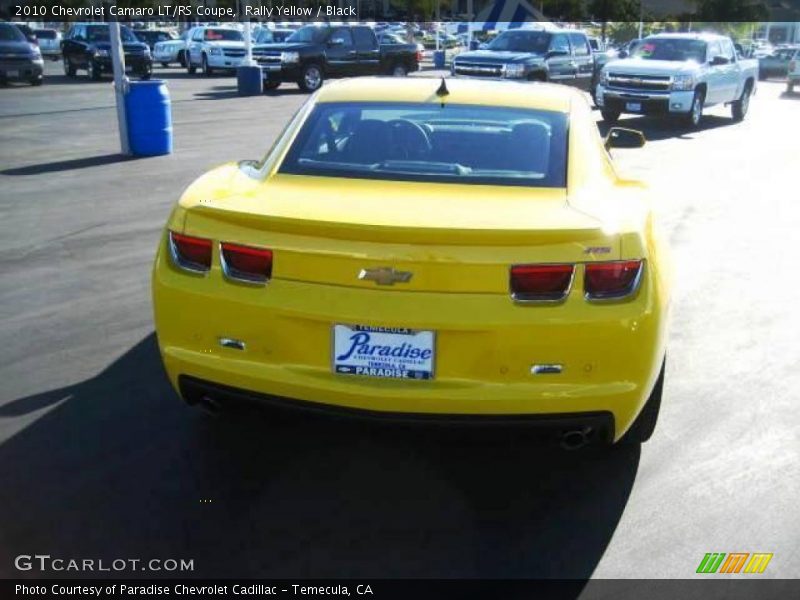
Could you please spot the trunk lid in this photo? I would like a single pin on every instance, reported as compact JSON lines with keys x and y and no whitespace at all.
{"x":451,"y":238}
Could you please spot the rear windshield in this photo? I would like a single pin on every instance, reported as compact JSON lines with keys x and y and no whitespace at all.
{"x":671,"y":49}
{"x":427,"y":142}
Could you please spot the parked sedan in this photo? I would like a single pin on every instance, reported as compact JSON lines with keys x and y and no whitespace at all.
{"x":19,"y":59}
{"x":414,"y":249}
{"x":87,"y":46}
{"x":49,"y":42}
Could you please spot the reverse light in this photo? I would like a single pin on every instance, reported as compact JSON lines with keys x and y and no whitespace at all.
{"x":190,"y":253}
{"x":541,"y":283}
{"x":245,"y":263}
{"x":612,"y":280}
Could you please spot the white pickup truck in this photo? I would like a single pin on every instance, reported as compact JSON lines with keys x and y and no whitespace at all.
{"x":677,"y":74}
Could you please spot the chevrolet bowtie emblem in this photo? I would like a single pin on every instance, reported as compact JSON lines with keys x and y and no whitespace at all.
{"x":385,"y":276}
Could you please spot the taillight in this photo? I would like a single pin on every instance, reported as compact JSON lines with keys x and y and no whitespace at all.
{"x":245,"y":263}
{"x":419,"y":56}
{"x":541,"y":283}
{"x":611,"y":280}
{"x":190,"y":253}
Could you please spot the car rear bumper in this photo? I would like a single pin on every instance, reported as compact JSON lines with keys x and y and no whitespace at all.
{"x":651,"y":103}
{"x":21,"y":70}
{"x":485,"y":346}
{"x":600,"y":423}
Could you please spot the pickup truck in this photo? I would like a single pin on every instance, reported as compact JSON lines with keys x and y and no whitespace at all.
{"x":316,"y":52}
{"x":556,"y":55}
{"x":677,"y":75}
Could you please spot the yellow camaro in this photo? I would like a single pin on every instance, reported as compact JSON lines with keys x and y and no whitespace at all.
{"x":421,"y":249}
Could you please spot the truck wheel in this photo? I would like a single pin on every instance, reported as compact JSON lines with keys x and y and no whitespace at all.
{"x":164,"y":64}
{"x":207,"y":71}
{"x":645,"y":424}
{"x":311,"y":78}
{"x":69,"y":68}
{"x":610,"y":116}
{"x":695,"y":116}
{"x":740,"y":107}
{"x":399,"y":70}
{"x":182,"y":58}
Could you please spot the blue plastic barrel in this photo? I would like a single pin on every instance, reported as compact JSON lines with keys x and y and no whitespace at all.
{"x":250,"y":81}
{"x":438,"y":59}
{"x":149,"y":114}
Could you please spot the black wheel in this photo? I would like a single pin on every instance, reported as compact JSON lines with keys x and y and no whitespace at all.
{"x":207,"y":71}
{"x":790,"y":87}
{"x":610,"y":116}
{"x":37,"y":80}
{"x":145,"y":75}
{"x":694,"y":117}
{"x":272,"y":85}
{"x":165,"y":64}
{"x":740,"y":107}
{"x":399,"y":70}
{"x":311,"y":78}
{"x":93,"y":71}
{"x":182,"y":58}
{"x":645,"y":424}
{"x":190,"y":68}
{"x":69,"y":68}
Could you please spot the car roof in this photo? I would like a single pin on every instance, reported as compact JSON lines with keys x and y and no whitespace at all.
{"x":705,"y":37}
{"x":540,"y":96}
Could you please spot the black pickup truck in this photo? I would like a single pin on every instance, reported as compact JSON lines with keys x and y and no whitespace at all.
{"x":556,"y":55}
{"x":316,"y":52}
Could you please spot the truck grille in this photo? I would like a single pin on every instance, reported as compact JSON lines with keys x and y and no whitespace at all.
{"x":478,"y":69}
{"x":649,"y":83}
{"x":233,"y":52}
{"x":267,"y":58}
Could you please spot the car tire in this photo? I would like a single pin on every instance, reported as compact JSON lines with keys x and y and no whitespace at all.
{"x":311,"y":79}
{"x":165,"y":64}
{"x":182,"y":58}
{"x":610,"y":116}
{"x":694,"y":117}
{"x":93,"y":72}
{"x":36,"y":81}
{"x":399,"y":70}
{"x":740,"y":107}
{"x":190,"y":68}
{"x":145,"y":75}
{"x":69,"y":68}
{"x":645,"y":424}
{"x":207,"y":71}
{"x":272,"y":85}
{"x":790,"y":87}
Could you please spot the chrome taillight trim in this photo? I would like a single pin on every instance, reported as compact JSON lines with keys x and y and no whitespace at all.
{"x":541,"y":299}
{"x":239,"y":277}
{"x":182,"y":263}
{"x":630,"y":291}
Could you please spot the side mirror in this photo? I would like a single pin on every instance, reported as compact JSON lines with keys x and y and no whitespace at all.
{"x":619,"y":137}
{"x":718,"y":61}
{"x":554,"y":53}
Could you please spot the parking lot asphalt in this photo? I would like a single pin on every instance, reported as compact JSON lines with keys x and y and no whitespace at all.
{"x":100,"y":459}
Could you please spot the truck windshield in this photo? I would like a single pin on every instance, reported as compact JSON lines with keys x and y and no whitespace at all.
{"x":100,"y":33}
{"x":309,"y":34}
{"x":535,"y":42}
{"x":671,"y":49}
{"x":490,"y":145}
{"x":226,"y":35}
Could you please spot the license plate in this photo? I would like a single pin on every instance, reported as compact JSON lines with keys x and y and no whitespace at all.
{"x":633,"y":106}
{"x":12,"y":73}
{"x":385,"y":352}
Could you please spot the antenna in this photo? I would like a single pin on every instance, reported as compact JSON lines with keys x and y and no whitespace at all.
{"x":443,"y":91}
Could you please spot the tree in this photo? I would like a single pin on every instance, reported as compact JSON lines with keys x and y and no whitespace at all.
{"x":730,"y":11}
{"x":613,"y":10}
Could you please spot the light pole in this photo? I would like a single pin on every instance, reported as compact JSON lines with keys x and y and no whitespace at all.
{"x":120,"y":84}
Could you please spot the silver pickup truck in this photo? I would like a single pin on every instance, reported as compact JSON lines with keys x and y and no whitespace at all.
{"x":677,"y":74}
